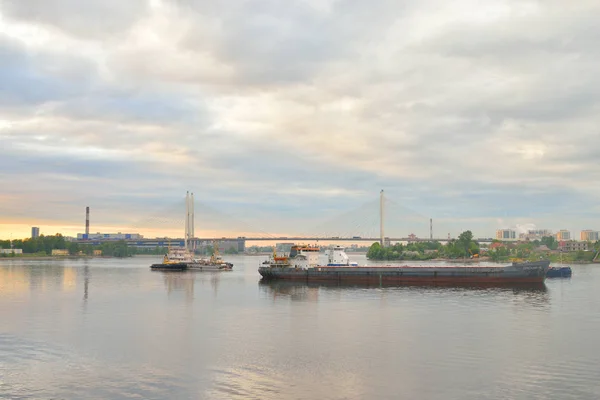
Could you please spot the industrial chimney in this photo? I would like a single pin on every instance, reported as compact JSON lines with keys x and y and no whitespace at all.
{"x":431,"y":229}
{"x":87,"y":223}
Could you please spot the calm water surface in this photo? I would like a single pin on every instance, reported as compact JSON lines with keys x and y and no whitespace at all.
{"x":113,"y":329}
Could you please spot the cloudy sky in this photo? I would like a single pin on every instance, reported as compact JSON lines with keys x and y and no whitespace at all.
{"x":291,"y":116}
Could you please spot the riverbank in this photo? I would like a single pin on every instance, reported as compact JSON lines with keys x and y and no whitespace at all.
{"x":26,"y":257}
{"x":49,"y":258}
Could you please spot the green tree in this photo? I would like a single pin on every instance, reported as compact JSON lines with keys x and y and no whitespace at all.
{"x":499,"y":254}
{"x":550,"y":242}
{"x":466,"y":245}
{"x":374,"y":251}
{"x":116,"y":249}
{"x":231,"y":250}
{"x":73,"y":248}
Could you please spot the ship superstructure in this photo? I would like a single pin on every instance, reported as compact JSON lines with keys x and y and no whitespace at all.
{"x":300,"y":257}
{"x":337,"y":257}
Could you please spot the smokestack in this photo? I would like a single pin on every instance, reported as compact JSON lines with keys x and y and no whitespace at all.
{"x":431,"y":229}
{"x":87,"y":222}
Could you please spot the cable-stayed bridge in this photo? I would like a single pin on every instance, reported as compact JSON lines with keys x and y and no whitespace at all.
{"x":366,"y":223}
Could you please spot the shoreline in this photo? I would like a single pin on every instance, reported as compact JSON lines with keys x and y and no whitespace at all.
{"x":447,"y":260}
{"x":48,"y":258}
{"x":43,"y":258}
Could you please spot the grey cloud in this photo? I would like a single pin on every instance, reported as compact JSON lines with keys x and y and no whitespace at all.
{"x":266,"y":106}
{"x":22,"y":83}
{"x":134,"y":106}
{"x":271,"y":43}
{"x":28,"y":79}
{"x":92,"y":18}
{"x":73,"y":87}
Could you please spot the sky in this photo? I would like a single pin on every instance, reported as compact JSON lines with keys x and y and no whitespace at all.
{"x":290,"y":117}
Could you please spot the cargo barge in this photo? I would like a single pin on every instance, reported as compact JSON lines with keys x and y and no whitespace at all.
{"x":302,"y":265}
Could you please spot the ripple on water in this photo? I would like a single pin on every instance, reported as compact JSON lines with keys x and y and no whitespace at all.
{"x":246,"y":382}
{"x":32,"y":369}
{"x":118,"y":331}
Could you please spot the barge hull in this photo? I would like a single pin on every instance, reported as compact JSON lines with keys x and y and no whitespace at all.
{"x":169,"y":267}
{"x":514,"y":274}
{"x":390,"y":280}
{"x":189,"y":266}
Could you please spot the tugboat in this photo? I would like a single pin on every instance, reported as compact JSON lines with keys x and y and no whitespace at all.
{"x":214,"y":263}
{"x":182,"y":258}
{"x":177,"y":259}
{"x":559,"y":272}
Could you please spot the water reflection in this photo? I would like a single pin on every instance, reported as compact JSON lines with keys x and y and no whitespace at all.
{"x":180,"y":281}
{"x":214,"y":282}
{"x":18,"y":280}
{"x":185,"y":280}
{"x":138,"y":336}
{"x":309,"y":291}
{"x":293,"y":290}
{"x":86,"y":282}
{"x":69,"y":279}
{"x":14,"y":281}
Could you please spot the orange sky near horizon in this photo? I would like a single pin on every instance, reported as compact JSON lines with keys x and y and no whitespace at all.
{"x":23,"y":231}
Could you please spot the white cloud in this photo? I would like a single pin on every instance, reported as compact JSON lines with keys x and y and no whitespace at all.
{"x":466,"y":109}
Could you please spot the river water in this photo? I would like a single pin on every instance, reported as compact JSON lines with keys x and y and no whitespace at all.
{"x":113,"y":329}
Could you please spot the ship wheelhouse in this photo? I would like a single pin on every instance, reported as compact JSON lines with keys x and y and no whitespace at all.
{"x":300,"y":257}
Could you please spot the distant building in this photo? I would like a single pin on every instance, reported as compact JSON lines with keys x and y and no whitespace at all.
{"x":35,"y":232}
{"x":228,"y":245}
{"x":60,"y":252}
{"x":589,"y":235}
{"x":97,"y":252}
{"x":110,"y":236}
{"x":563,"y":234}
{"x":572,"y":245}
{"x":535,"y":234}
{"x":412,"y":237}
{"x":506,"y":234}
{"x":11,"y":251}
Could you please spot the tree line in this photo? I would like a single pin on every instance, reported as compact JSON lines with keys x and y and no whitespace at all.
{"x":43,"y":246}
{"x":463,"y":247}
{"x":466,"y":247}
